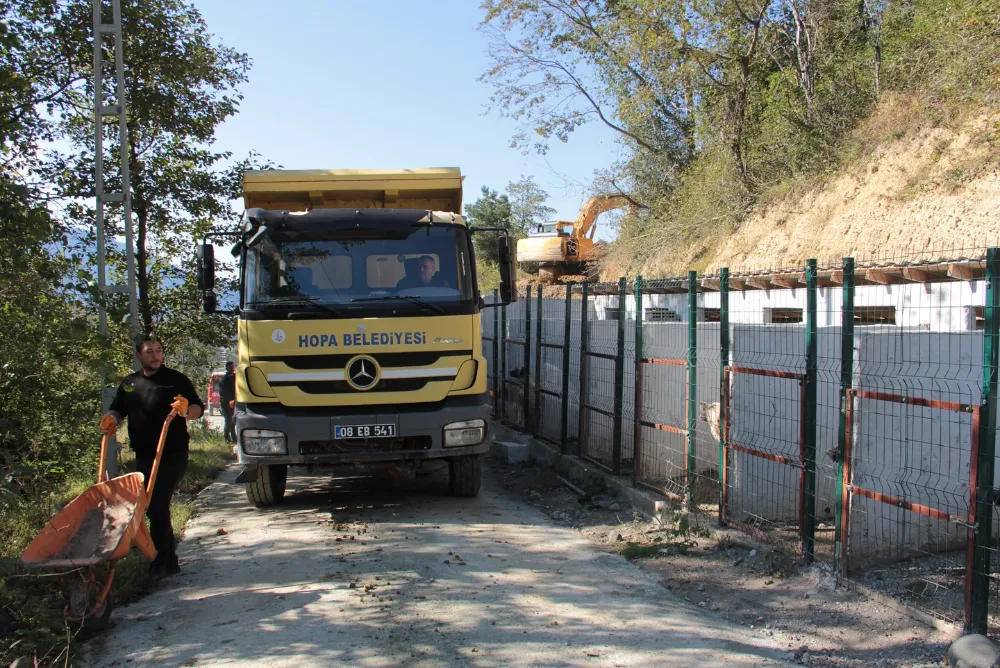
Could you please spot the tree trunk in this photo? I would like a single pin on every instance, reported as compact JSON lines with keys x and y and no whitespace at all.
{"x":141,"y":209}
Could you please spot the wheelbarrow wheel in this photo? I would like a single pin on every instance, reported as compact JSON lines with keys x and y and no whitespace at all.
{"x":100,"y":620}
{"x":82,"y":594}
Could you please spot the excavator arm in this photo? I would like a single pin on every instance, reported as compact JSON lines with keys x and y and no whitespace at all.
{"x":584,"y":226}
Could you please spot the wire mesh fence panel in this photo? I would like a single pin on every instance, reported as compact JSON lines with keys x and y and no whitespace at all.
{"x":548,"y":375}
{"x":598,"y":365}
{"x":764,"y":449}
{"x":490,"y":329}
{"x":574,"y":393}
{"x":912,"y":437}
{"x":661,"y":387}
{"x":828,"y":403}
{"x":517,"y":363}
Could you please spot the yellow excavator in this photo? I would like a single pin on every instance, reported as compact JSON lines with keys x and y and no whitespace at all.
{"x":565,"y":247}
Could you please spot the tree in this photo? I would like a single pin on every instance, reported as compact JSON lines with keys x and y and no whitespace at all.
{"x":528,"y":207}
{"x":490,"y":210}
{"x":180,"y":85}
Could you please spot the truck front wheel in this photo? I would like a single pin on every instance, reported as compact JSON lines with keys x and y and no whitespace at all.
{"x":269,"y":487}
{"x":465,"y":474}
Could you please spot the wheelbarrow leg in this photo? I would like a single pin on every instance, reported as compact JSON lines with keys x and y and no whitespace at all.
{"x":144,"y":542}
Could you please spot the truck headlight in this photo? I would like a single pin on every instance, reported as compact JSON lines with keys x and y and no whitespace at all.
{"x":264,"y":442}
{"x":467,"y":432}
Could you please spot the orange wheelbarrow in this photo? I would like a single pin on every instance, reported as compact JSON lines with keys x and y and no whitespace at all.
{"x":96,"y":529}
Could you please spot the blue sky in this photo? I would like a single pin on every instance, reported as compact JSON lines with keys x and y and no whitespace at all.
{"x":386,"y":84}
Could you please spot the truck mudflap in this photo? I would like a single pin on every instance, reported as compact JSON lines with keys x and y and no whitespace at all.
{"x":319,"y":436}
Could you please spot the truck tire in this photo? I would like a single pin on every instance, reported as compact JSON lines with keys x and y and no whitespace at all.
{"x":269,"y":487}
{"x":465,"y":474}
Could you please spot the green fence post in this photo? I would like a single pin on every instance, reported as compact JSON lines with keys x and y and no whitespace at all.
{"x":809,"y":414}
{"x":567,"y":332}
{"x":582,"y":412}
{"x":526,"y":408}
{"x":843,"y":516}
{"x":503,"y":363}
{"x":497,"y":378}
{"x":692,"y":387}
{"x":637,"y":422}
{"x":536,"y":422}
{"x":978,"y":576}
{"x":723,"y":387}
{"x":616,"y":437}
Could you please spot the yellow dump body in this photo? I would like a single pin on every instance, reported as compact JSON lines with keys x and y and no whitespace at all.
{"x":433,"y":189}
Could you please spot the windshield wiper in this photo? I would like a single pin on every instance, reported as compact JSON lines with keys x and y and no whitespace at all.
{"x":409,"y":298}
{"x":301,"y":301}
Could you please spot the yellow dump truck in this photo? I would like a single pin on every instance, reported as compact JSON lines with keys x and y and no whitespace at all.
{"x":358,"y":325}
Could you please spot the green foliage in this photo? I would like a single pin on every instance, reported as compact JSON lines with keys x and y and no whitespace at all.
{"x":180,"y":84}
{"x":490,"y":210}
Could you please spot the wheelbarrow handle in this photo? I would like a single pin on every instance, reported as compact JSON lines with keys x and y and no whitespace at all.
{"x":159,"y":453}
{"x":102,"y":466}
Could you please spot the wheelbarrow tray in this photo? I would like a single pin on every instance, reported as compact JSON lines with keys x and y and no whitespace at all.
{"x":96,"y":527}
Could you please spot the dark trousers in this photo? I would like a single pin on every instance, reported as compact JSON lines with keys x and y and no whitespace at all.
{"x":172,"y":468}
{"x":228,"y":423}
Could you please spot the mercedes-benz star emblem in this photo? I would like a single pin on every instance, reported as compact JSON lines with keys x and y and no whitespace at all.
{"x":362,"y":373}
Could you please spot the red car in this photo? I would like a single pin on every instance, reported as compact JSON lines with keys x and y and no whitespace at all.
{"x":214,"y":402}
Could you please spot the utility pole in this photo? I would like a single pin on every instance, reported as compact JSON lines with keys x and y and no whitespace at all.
{"x":115,"y":107}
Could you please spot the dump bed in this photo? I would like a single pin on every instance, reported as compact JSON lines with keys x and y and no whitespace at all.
{"x":433,"y":189}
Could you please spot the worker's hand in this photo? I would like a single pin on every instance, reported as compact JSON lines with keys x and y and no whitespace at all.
{"x":109,"y":425}
{"x":180,"y":405}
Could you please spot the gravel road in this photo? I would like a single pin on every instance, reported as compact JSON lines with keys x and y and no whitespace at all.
{"x":368,"y":572}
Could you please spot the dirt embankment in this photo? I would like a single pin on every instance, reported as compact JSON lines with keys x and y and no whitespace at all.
{"x":912,"y":188}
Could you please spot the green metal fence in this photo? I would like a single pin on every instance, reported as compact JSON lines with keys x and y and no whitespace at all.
{"x":845,"y":413}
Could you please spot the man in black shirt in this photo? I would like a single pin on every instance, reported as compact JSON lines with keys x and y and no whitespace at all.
{"x":227,"y":395}
{"x":146,"y":398}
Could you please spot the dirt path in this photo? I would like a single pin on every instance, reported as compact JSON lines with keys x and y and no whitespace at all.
{"x":350,"y":573}
{"x":770,"y":594}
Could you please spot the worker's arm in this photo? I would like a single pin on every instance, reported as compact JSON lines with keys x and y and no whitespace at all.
{"x":117,"y":413}
{"x":195,"y":405}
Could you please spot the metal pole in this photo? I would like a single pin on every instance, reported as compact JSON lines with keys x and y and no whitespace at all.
{"x":692,"y":387}
{"x":581,"y":429}
{"x":616,"y":437}
{"x":567,"y":332}
{"x":637,"y":423}
{"x":843,"y":517}
{"x":809,"y":445}
{"x":133,"y":303}
{"x":982,"y":493}
{"x":537,"y":422}
{"x":723,"y":380}
{"x":526,"y":408}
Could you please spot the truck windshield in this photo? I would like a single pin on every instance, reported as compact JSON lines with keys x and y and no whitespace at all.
{"x":420,"y":264}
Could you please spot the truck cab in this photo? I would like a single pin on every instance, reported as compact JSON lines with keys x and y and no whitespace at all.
{"x":358,"y":326}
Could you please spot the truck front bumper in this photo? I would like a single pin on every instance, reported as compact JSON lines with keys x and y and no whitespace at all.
{"x":310,"y":441}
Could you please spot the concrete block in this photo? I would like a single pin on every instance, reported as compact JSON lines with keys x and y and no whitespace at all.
{"x":974,"y":651}
{"x":510,"y":452}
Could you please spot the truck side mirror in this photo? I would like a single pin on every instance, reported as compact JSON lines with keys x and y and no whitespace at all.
{"x":508,"y":270}
{"x":206,"y":277}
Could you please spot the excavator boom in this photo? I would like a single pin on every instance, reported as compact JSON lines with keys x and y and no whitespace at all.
{"x":591,"y":209}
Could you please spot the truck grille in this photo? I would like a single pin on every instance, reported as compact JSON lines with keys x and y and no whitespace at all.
{"x":355,"y":445}
{"x":341,"y":387}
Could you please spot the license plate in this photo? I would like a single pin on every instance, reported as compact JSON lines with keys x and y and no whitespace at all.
{"x":364,"y":431}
